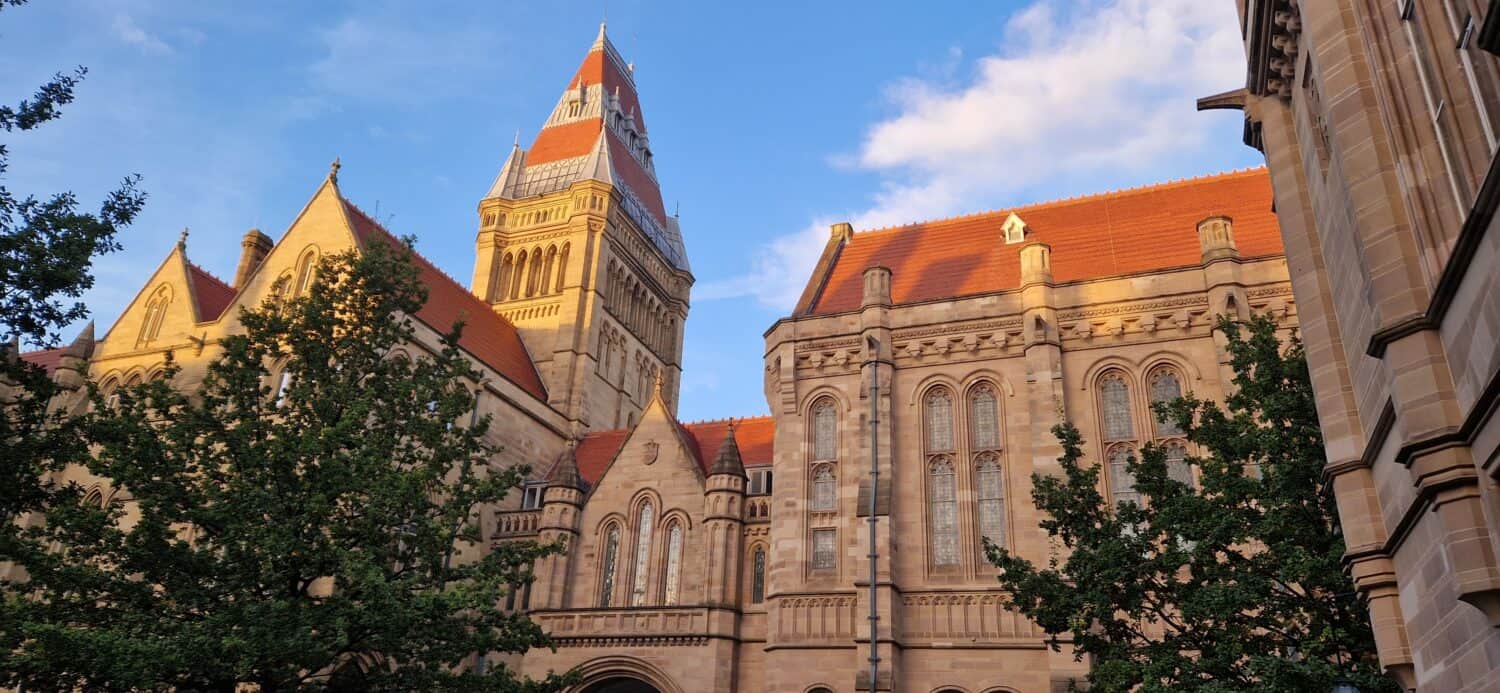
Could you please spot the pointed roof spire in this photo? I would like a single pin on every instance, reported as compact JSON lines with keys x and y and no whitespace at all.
{"x":83,"y":345}
{"x":565,"y":472}
{"x":600,"y":165}
{"x":728,"y":460}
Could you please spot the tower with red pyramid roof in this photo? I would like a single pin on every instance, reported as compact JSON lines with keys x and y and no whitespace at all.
{"x":575,"y":247}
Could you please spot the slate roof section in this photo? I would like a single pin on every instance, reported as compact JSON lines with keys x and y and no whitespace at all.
{"x":755,"y":437}
{"x":48,"y":359}
{"x":1144,"y":229}
{"x":489,"y":337}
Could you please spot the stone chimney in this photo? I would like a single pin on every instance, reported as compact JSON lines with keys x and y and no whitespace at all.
{"x":842,"y":231}
{"x":253,"y":250}
{"x":1216,"y":238}
{"x":877,"y":287}
{"x":1036,"y":264}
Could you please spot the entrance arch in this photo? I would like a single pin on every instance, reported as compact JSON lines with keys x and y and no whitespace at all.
{"x":621,"y":684}
{"x":624,"y":674}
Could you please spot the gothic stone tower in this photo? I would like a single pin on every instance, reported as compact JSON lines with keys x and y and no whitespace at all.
{"x":576,"y":249}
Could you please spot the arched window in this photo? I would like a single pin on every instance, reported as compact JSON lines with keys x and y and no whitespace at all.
{"x":548,"y":269}
{"x":501,"y":291}
{"x":281,"y":289}
{"x":674,"y":565}
{"x":825,"y":489}
{"x":825,"y":430}
{"x":1114,"y":407}
{"x":984,"y":418}
{"x":562,"y":268}
{"x":611,"y":560}
{"x":939,"y":420}
{"x":644,"y":525}
{"x":534,"y":276}
{"x":758,"y":576}
{"x":1177,"y":465}
{"x":1165,"y":387}
{"x":1122,"y":482}
{"x":943,"y":501}
{"x":990,"y":478}
{"x":306,"y":268}
{"x":156,"y":312}
{"x":516,"y":274}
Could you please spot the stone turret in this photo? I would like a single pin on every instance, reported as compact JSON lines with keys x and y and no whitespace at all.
{"x":562,"y":505}
{"x":723,"y":521}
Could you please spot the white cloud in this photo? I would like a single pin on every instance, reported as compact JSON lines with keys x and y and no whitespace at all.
{"x":1075,"y":90}
{"x":128,"y":31}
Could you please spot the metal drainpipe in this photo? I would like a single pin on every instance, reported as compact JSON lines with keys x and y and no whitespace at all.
{"x":874,"y":504}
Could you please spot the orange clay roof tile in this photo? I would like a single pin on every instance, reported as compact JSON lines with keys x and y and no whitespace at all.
{"x":1109,"y":234}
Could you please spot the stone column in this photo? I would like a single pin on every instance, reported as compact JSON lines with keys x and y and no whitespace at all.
{"x":874,"y":320}
{"x":1221,"y":276}
{"x":562,"y":507}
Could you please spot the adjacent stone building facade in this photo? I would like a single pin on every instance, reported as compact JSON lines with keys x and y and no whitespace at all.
{"x":1379,"y":123}
{"x":733,"y":555}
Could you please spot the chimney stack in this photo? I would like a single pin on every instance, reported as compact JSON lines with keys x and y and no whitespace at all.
{"x":253,"y":250}
{"x":1216,"y":238}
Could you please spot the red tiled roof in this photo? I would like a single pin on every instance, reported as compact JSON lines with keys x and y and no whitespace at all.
{"x":755,"y":437}
{"x":48,"y":359}
{"x":635,"y":177}
{"x":490,"y":338}
{"x":213,"y":294}
{"x":1110,"y":234}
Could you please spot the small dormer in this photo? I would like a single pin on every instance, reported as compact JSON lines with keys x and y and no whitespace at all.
{"x":1014,"y":229}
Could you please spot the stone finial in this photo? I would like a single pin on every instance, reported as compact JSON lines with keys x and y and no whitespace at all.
{"x":1216,"y":238}
{"x":841,"y":232}
{"x":565,"y":472}
{"x":877,"y":290}
{"x":1036,"y":263}
{"x":728,"y":461}
{"x":253,"y":250}
{"x":333,"y":171}
{"x":182,"y":239}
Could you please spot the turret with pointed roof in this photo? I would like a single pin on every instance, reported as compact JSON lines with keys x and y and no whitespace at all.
{"x":727,"y":461}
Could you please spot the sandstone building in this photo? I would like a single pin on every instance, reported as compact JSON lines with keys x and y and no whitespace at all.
{"x":1379,"y":123}
{"x":731,"y":555}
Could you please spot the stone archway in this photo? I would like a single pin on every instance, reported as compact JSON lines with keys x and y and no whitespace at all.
{"x":624,"y":674}
{"x":621,"y":684}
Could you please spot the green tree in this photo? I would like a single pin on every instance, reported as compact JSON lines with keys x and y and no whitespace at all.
{"x":320,"y":535}
{"x":1232,"y":583}
{"x":47,"y":249}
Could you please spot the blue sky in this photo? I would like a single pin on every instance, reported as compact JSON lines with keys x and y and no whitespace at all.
{"x":769,"y":121}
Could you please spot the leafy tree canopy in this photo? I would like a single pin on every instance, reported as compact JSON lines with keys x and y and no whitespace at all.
{"x":319,"y":534}
{"x":1231,"y":582}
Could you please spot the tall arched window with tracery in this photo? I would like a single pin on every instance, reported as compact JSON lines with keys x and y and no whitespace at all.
{"x":1117,"y":429}
{"x":942,"y":483}
{"x":672,"y":589}
{"x":156,"y":312}
{"x":609,"y":565}
{"x":306,"y":267}
{"x":758,"y":576}
{"x":562,"y":268}
{"x":824,"y":489}
{"x":1165,"y":387}
{"x":989,"y":477}
{"x":984,"y":418}
{"x":501,"y":290}
{"x":825,"y":430}
{"x":943,"y":501}
{"x":644,"y":527}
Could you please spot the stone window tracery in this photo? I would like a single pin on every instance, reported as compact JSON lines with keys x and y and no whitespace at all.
{"x":674,"y":565}
{"x":943,"y":502}
{"x":939,"y":420}
{"x":984,"y":418}
{"x":1177,"y":466}
{"x":644,"y":528}
{"x":1114,"y":407}
{"x":611,"y":559}
{"x":990,"y":479}
{"x":1122,"y":482}
{"x":758,"y":576}
{"x":825,"y":489}
{"x":1165,"y":387}
{"x":825,"y":549}
{"x":156,"y":312}
{"x":825,"y":430}
{"x":306,"y":268}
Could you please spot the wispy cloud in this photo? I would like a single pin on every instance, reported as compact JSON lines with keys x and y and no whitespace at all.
{"x":395,"y":55}
{"x":128,"y":31}
{"x":1075,"y":90}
